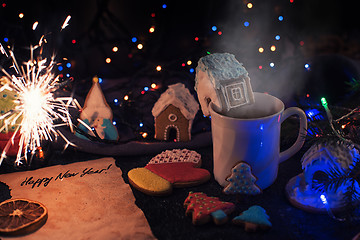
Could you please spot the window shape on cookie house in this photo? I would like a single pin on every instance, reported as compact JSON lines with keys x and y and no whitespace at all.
{"x":175,"y":109}
{"x":172,"y":117}
{"x":236,"y":95}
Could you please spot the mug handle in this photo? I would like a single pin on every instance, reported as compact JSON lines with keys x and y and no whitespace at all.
{"x":284,"y":155}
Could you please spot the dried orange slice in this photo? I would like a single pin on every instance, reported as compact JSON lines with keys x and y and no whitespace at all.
{"x":21,"y":216}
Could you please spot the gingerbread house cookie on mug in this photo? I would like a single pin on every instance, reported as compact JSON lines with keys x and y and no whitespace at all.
{"x":222,"y":80}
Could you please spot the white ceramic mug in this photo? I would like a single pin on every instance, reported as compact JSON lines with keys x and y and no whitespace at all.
{"x":253,"y":136}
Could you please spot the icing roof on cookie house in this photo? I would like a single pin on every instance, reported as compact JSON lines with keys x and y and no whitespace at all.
{"x":221,"y":66}
{"x":179,"y":96}
{"x":334,"y":154}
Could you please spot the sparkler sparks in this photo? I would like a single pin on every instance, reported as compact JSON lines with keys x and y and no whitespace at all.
{"x":66,"y":22}
{"x":35,"y":25}
{"x":35,"y":106}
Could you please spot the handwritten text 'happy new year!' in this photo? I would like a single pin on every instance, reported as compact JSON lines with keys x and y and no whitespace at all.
{"x":33,"y":182}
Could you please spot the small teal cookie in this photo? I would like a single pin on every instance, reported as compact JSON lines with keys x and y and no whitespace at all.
{"x":255,"y":218}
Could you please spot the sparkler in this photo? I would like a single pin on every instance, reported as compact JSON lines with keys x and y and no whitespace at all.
{"x":36,"y":106}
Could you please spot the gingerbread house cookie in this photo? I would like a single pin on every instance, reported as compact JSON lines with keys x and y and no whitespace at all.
{"x":318,"y":161}
{"x":174,"y":113}
{"x":222,"y":80}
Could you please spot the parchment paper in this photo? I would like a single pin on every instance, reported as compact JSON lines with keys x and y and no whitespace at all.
{"x":85,"y":200}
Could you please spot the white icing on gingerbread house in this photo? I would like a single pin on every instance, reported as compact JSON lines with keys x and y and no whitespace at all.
{"x":175,"y":111}
{"x":222,"y":73}
{"x":317,"y":162}
{"x":321,"y":158}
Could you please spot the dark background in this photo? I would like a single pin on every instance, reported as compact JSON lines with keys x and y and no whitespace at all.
{"x":323,"y":34}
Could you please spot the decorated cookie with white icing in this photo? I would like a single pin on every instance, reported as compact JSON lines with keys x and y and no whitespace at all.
{"x":203,"y":208}
{"x":175,"y":111}
{"x":171,"y":168}
{"x":242,"y":181}
{"x":177,"y":155}
{"x":222,"y":80}
{"x":317,"y":162}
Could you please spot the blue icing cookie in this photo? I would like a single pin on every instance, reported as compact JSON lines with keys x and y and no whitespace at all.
{"x":254,"y":214}
{"x":83,"y":128}
{"x":219,"y":215}
{"x":110,"y":130}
